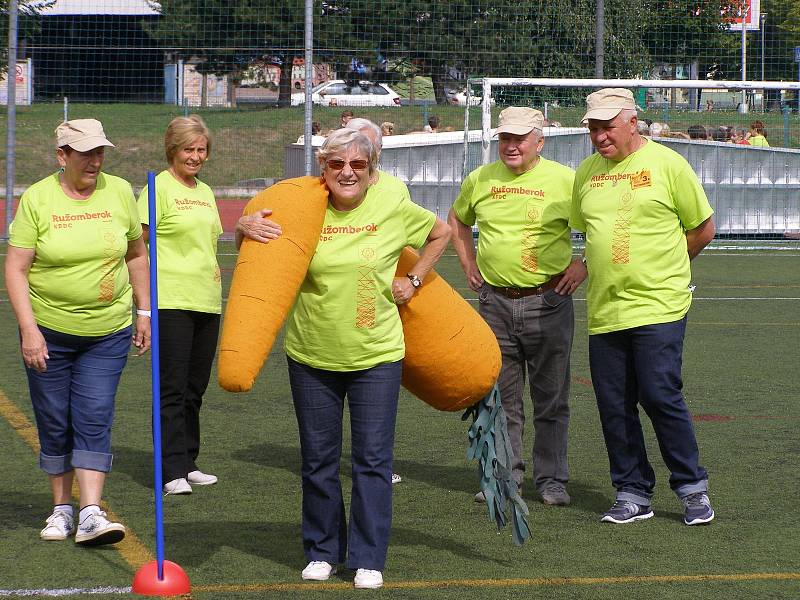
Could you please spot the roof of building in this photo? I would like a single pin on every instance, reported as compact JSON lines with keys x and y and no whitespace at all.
{"x":95,"y":7}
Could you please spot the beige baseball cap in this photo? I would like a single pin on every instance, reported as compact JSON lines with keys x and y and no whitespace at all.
{"x":607,"y":103}
{"x":519,"y":120}
{"x":81,"y":135}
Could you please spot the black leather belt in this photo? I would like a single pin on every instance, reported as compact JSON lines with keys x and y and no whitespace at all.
{"x":514,"y":293}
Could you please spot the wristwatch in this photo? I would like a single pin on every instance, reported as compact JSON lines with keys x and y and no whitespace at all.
{"x":415,"y":281}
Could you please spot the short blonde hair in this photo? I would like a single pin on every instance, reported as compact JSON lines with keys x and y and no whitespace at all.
{"x":182,"y":131}
{"x":341,"y":139}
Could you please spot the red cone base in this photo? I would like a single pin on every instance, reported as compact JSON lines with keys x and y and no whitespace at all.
{"x":147,"y":583}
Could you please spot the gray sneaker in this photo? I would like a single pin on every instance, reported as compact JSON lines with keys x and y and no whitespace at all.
{"x":625,"y":511}
{"x":697,"y":509}
{"x":555,"y":494}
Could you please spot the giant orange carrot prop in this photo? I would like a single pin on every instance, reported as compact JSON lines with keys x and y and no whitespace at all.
{"x":452,"y":357}
{"x":268,"y":277}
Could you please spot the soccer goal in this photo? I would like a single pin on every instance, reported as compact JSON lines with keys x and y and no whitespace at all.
{"x":755,"y":190}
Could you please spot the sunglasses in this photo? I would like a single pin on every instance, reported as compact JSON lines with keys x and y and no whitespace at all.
{"x":337,"y":164}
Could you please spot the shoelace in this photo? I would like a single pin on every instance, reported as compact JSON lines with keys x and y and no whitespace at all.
{"x":59,"y":515}
{"x":696,"y":500}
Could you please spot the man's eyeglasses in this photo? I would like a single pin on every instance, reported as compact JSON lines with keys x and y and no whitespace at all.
{"x":337,"y":164}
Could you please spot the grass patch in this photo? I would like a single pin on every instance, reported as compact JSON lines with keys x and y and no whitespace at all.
{"x":740,"y":362}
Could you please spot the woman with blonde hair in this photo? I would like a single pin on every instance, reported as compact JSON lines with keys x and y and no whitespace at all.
{"x":189,"y":296}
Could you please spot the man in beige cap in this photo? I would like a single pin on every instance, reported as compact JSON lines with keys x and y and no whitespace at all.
{"x":645,"y":216}
{"x":524,"y":275}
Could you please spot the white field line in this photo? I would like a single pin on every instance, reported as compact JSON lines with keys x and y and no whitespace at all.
{"x":64,"y":592}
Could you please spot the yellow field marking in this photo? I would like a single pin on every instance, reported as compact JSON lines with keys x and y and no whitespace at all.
{"x":479,"y":583}
{"x":131,"y":548}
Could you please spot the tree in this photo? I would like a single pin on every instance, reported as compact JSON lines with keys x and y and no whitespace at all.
{"x":27,"y":23}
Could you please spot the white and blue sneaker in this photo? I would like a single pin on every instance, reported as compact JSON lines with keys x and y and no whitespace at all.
{"x":697,"y":509}
{"x":96,"y":529}
{"x":625,"y":511}
{"x":60,"y":525}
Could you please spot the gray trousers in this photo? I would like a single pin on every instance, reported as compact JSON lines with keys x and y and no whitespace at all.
{"x":534,"y":333}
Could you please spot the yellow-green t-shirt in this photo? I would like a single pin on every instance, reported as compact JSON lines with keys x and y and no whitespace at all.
{"x":187,"y":230}
{"x":758,"y":140}
{"x":524,"y":236}
{"x":78,"y":280}
{"x":344,"y":318}
{"x":635,"y":214}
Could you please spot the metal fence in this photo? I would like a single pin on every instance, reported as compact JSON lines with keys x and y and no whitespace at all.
{"x":284,"y":65}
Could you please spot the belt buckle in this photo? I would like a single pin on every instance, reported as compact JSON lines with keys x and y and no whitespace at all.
{"x":514,"y":293}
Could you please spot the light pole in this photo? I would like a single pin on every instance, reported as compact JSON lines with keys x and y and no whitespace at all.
{"x":763,"y":46}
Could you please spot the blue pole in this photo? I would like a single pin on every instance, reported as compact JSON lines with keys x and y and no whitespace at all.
{"x":155,"y":378}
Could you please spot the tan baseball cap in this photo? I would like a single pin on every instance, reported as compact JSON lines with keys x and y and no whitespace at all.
{"x":81,"y":135}
{"x":607,"y":103}
{"x":519,"y":120}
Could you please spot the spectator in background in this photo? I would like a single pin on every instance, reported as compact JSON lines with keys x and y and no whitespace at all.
{"x":721,"y":134}
{"x":75,"y":260}
{"x":316,"y":135}
{"x":757,"y":136}
{"x":187,"y":225}
{"x":739,"y":136}
{"x":656,"y":129}
{"x":346,"y":116}
{"x":709,"y":105}
{"x":697,"y":132}
{"x":644,"y":128}
{"x":387,"y":128}
{"x":433,"y":124}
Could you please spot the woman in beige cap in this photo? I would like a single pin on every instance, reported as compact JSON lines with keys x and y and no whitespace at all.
{"x":75,"y":260}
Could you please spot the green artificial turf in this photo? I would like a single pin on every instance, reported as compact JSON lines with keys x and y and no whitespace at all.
{"x":740,"y":370}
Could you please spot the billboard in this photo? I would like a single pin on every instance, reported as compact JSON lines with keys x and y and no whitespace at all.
{"x":752,"y":17}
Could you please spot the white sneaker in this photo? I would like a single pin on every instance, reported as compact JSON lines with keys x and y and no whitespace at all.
{"x":200,"y":478}
{"x":318,"y":570}
{"x":396,"y":478}
{"x":177,"y":486}
{"x":60,"y":525}
{"x":96,"y":530}
{"x":366,"y":579}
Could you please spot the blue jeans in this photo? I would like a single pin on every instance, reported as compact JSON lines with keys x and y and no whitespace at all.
{"x":73,"y":400}
{"x":642,"y":366}
{"x":319,"y":402}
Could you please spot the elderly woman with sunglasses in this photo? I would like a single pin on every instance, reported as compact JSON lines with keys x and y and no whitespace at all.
{"x":344,"y":339}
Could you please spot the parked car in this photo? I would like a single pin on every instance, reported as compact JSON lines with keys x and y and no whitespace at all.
{"x":337,"y":93}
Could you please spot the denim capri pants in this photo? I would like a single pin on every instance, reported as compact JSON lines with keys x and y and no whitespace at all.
{"x":73,"y":400}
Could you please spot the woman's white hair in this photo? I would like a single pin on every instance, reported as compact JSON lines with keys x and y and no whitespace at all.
{"x":341,"y":139}
{"x":359,"y":124}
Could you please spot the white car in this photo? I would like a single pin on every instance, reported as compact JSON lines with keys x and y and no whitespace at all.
{"x":337,"y":93}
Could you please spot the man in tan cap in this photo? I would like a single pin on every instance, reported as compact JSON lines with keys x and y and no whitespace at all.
{"x":645,"y":216}
{"x":524,"y":275}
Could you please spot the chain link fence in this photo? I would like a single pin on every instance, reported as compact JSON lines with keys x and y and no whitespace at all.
{"x":251,"y":67}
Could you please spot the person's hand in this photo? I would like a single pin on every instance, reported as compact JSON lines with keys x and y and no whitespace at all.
{"x":141,"y":334}
{"x":572,"y":278}
{"x":34,"y":350}
{"x":257,"y":227}
{"x":474,"y":278}
{"x":402,"y":290}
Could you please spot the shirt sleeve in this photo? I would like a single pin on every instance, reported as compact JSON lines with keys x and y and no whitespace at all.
{"x":575,"y":217}
{"x":24,"y":230}
{"x":143,"y":207}
{"x":135,"y":227}
{"x":462,"y":207}
{"x":418,"y":223}
{"x":689,"y":198}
